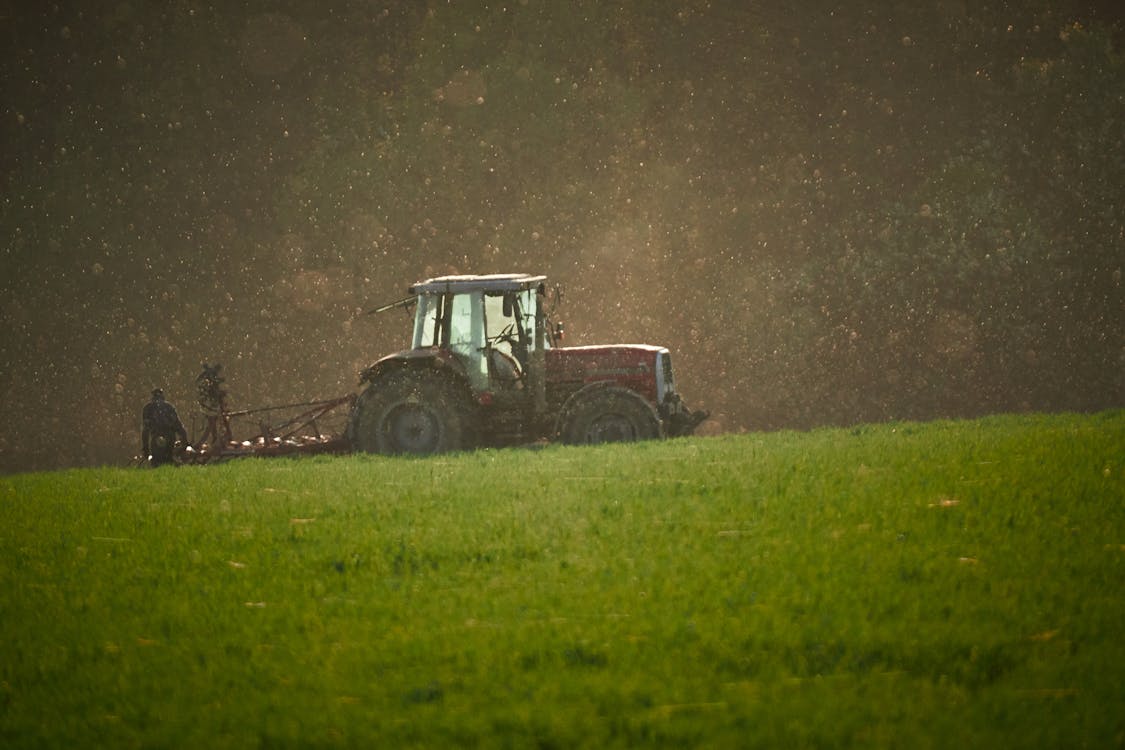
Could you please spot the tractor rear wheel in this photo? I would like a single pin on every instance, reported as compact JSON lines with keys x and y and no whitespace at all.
{"x":412,"y":411}
{"x":608,"y":415}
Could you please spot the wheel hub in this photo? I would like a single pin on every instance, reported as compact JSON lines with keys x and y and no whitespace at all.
{"x":413,"y":428}
{"x":610,"y":428}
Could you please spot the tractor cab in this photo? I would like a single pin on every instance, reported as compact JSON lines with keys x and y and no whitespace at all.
{"x":493,"y":325}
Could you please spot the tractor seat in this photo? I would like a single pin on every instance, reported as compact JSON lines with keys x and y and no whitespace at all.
{"x":504,"y":370}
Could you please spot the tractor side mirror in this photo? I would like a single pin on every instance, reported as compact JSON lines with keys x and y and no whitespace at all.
{"x":509,"y":306}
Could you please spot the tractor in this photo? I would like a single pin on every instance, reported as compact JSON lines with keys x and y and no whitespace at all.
{"x":486,"y":368}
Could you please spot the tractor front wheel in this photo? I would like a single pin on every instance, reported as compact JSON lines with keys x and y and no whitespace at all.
{"x":412,"y":411}
{"x":608,"y":415}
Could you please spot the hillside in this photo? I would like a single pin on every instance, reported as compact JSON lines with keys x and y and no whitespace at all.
{"x":948,"y":584}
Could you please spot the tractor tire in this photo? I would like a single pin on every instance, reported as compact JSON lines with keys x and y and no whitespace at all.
{"x":412,"y":411}
{"x":608,"y":414}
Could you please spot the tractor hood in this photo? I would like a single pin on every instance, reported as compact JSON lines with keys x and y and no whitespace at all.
{"x":641,"y":367}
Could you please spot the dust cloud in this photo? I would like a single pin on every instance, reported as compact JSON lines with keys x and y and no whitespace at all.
{"x":833,"y":216}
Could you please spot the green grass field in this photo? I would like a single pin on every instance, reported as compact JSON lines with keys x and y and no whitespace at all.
{"x":950,"y":584}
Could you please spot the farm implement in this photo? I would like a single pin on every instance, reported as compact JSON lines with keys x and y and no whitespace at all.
{"x":307,"y":428}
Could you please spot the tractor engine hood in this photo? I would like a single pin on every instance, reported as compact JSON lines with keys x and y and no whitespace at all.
{"x":641,"y":367}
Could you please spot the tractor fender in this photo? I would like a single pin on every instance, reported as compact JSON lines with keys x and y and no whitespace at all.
{"x":435,"y":357}
{"x":590,"y":389}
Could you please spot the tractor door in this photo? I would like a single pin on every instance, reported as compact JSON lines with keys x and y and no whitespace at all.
{"x":502,"y":332}
{"x":510,"y":333}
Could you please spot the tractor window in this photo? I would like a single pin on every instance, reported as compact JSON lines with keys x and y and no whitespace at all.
{"x":514,"y":313}
{"x":455,"y":321}
{"x":466,"y":335}
{"x":466,"y":324}
{"x":496,"y":322}
{"x":425,"y":321}
{"x":530,"y":306}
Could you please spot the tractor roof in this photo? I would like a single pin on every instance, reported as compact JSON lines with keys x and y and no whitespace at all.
{"x":497,"y":282}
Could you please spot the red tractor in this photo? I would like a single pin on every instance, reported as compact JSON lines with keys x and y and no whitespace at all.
{"x":484,"y":369}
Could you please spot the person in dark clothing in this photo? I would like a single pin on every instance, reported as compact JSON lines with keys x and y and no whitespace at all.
{"x":213,"y":404}
{"x":161,"y":426}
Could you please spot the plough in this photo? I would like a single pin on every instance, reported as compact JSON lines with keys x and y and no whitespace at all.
{"x":307,"y":428}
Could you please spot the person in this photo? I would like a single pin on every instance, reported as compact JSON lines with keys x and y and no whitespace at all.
{"x":213,"y":404}
{"x":161,"y":426}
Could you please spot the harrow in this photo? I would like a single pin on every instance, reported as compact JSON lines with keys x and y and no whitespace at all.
{"x":306,"y":428}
